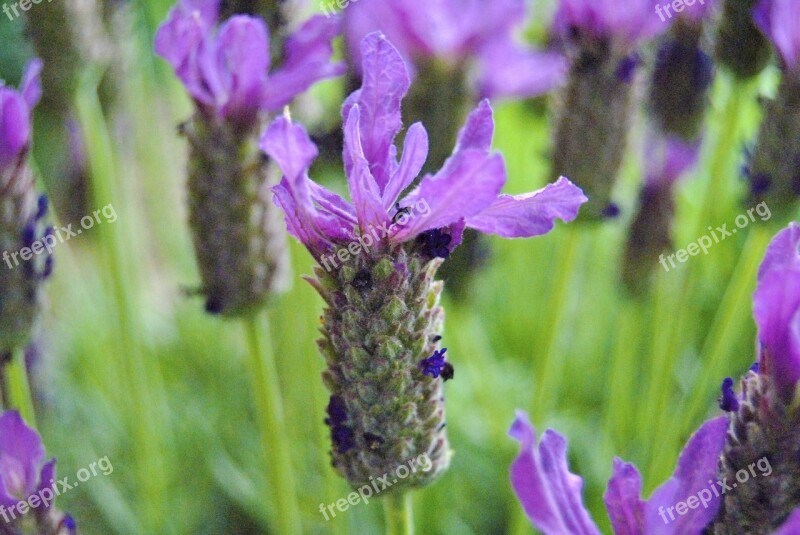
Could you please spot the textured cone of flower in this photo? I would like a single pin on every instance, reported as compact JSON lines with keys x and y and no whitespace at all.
{"x":378,"y":257}
{"x":551,"y":495}
{"x":765,"y":417}
{"x":592,"y":126}
{"x":774,"y":166}
{"x":24,"y":474}
{"x":241,"y":249}
{"x":21,"y":209}
{"x":650,"y":233}
{"x":741,"y":47}
{"x":681,"y":80}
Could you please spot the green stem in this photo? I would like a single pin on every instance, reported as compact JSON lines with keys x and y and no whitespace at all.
{"x":19,"y":392}
{"x":275,"y":442}
{"x":398,"y":510}
{"x":549,"y":379}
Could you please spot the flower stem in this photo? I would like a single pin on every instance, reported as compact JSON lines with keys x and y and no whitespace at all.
{"x":18,"y":394}
{"x":267,"y":393}
{"x":398,"y":510}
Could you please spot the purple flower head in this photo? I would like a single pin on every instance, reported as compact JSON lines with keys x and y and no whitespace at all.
{"x":226,"y":70}
{"x":776,"y":307}
{"x":669,"y":158}
{"x":780,"y":20}
{"x":15,"y":115}
{"x":22,"y":468}
{"x":624,"y":22}
{"x":464,"y":193}
{"x":458,"y":32}
{"x":728,"y":402}
{"x":551,"y":495}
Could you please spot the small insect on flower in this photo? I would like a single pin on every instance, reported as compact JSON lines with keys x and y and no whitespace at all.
{"x":400,"y":212}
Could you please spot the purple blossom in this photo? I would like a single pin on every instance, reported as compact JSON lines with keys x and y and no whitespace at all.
{"x":551,"y":495}
{"x":776,"y":307}
{"x":465,"y":192}
{"x":458,"y":32}
{"x":23,"y":471}
{"x":434,"y":364}
{"x":226,"y":70}
{"x":780,"y":20}
{"x":728,"y":402}
{"x":15,"y":115}
{"x":626,"y":22}
{"x":669,"y":158}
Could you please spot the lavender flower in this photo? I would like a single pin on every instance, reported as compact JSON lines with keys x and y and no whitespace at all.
{"x":21,"y":210}
{"x":650,"y":233}
{"x":764,"y":418}
{"x":551,"y":495}
{"x":24,"y":473}
{"x":240,"y":247}
{"x":740,"y":46}
{"x":383,"y":315}
{"x":774,"y":167}
{"x":458,"y":33}
{"x":592,"y":127}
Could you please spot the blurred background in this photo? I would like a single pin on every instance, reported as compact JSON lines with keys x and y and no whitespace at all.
{"x":126,"y":363}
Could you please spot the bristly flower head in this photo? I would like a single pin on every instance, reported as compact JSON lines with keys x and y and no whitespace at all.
{"x":383,"y":320}
{"x":21,"y":212}
{"x":23,"y":473}
{"x":458,"y":32}
{"x":551,"y":495}
{"x":780,"y":21}
{"x":226,"y":70}
{"x":465,"y":192}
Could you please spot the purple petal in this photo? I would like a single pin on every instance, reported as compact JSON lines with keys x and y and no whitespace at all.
{"x":478,"y":130}
{"x":626,"y":21}
{"x":776,"y":307}
{"x":791,"y":526}
{"x":469,"y":182}
{"x":689,"y":485}
{"x":307,"y":60}
{"x":623,"y":500}
{"x":15,"y":126}
{"x":530,"y":214}
{"x":548,"y":492}
{"x":243,"y":47}
{"x":510,"y":71}
{"x":21,"y":455}
{"x":31,"y":85}
{"x":780,"y":20}
{"x":363,"y":189}
{"x":47,"y":477}
{"x":415,"y":152}
{"x":385,"y":83}
{"x":188,"y":23}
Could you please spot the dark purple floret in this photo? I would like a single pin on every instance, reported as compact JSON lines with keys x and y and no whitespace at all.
{"x":728,"y":401}
{"x":337,"y":411}
{"x":434,"y":364}
{"x":611,"y":211}
{"x":627,"y":67}
{"x":69,"y":523}
{"x":28,"y":235}
{"x":434,"y":243}
{"x":448,"y":372}
{"x":41,"y":209}
{"x":48,"y":267}
{"x":754,"y":367}
{"x":343,"y":438}
{"x":760,"y":184}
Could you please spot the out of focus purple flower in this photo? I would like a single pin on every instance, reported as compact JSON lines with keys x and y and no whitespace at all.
{"x":459,"y":33}
{"x":551,"y":495}
{"x":625,"y":23}
{"x":226,"y":69}
{"x":15,"y":115}
{"x":780,"y":20}
{"x":776,"y":306}
{"x":465,"y":192}
{"x":669,"y":158}
{"x":23,"y":470}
